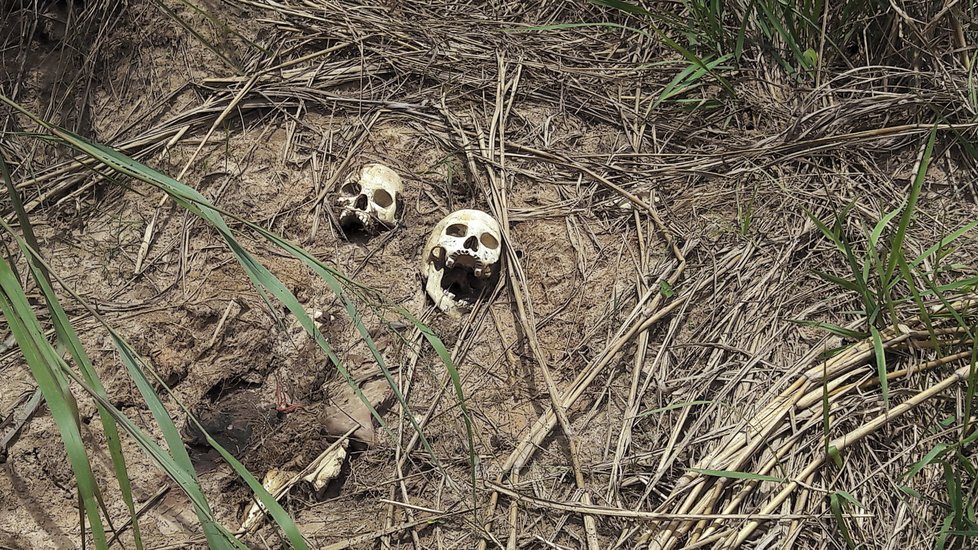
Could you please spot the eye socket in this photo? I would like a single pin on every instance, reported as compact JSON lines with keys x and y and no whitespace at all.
{"x":352,"y":188}
{"x":457,"y":230}
{"x":382,"y":198}
{"x":488,"y":241}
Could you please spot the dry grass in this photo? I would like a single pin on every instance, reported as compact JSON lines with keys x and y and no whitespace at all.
{"x":691,"y":411}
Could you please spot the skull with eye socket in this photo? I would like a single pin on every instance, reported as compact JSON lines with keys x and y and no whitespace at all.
{"x":460,"y":261}
{"x":370,"y":202}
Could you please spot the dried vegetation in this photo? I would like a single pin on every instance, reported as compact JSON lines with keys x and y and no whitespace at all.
{"x":737,"y":310}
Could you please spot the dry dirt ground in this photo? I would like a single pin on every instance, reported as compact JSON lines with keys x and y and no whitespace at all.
{"x":664,"y":322}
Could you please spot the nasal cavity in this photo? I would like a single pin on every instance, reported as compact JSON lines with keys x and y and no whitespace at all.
{"x":361,"y":203}
{"x":472,"y":243}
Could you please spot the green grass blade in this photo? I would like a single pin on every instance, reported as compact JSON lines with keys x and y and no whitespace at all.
{"x":177,"y":471}
{"x":973,"y":436}
{"x":180,"y":456}
{"x":625,"y":7}
{"x":859,"y":276}
{"x":838,"y":281}
{"x":785,"y":36}
{"x":334,"y":284}
{"x":41,"y":359}
{"x":742,"y":32}
{"x":844,"y":495}
{"x":896,"y":243}
{"x":69,"y":339}
{"x":932,"y":455}
{"x":681,"y":83}
{"x":161,"y":457}
{"x":952,"y":483}
{"x":160,"y":414}
{"x":836,"y":504}
{"x":907,"y":275}
{"x":828,"y":233}
{"x":186,"y":478}
{"x":911,"y":492}
{"x":170,"y":434}
{"x":446,"y":359}
{"x":881,"y":371}
{"x":944,"y":533}
{"x":690,"y":56}
{"x":972,"y":387}
{"x":859,"y":282}
{"x":949,"y":309}
{"x":730,"y":474}
{"x":687,"y":79}
{"x":260,"y":277}
{"x":874,"y":236}
{"x":961,"y":286}
{"x":274,"y":509}
{"x":948,"y":239}
{"x":965,"y":462}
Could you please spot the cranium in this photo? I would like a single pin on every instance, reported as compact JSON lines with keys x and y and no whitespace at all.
{"x":461,"y":259}
{"x":370,"y":200}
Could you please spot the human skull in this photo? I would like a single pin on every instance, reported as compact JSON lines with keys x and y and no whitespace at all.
{"x":370,"y":202}
{"x":461,"y":259}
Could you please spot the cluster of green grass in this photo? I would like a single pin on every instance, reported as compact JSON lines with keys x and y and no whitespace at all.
{"x":884,"y":281}
{"x":713,"y":37}
{"x":62,"y":365}
{"x":799,"y":36}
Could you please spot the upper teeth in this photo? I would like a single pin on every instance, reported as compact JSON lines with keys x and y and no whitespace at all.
{"x":450,"y":262}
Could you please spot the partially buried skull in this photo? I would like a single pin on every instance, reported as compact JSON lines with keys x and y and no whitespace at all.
{"x":370,"y":202}
{"x":461,"y":259}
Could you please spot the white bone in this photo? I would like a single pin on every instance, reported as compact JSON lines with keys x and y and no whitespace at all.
{"x":371,"y":200}
{"x":470,"y":243}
